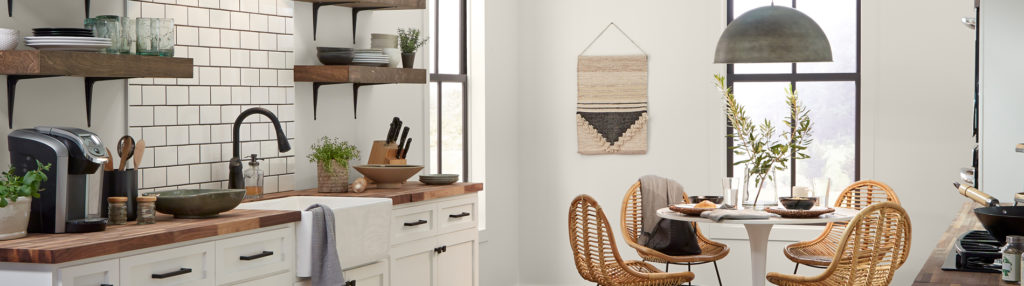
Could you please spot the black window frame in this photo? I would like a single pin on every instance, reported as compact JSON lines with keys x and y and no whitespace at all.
{"x":442,"y":79}
{"x":793,"y":77}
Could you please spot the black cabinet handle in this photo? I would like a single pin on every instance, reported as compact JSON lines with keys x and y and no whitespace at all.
{"x":415,"y":223}
{"x":105,"y":284}
{"x":181,"y":271}
{"x":440,"y":249}
{"x":463,"y":214}
{"x":256,"y":256}
{"x":350,"y":283}
{"x":444,"y":248}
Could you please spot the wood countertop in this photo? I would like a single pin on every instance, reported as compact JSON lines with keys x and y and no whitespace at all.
{"x":65,"y":247}
{"x":410,"y":192}
{"x":932,"y":274}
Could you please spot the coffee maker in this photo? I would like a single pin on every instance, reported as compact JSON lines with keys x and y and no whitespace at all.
{"x":63,"y":202}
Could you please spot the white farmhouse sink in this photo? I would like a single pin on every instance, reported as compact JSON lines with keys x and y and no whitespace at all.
{"x":362,"y":227}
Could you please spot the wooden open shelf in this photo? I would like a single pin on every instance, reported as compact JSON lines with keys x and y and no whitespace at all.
{"x":363,"y":5}
{"x":94,"y":67}
{"x":356,"y":75}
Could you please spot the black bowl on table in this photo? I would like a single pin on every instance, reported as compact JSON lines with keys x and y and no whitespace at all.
{"x":713,"y":199}
{"x":798,"y":203}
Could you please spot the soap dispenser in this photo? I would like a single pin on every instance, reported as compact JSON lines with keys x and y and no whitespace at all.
{"x":253,"y":179}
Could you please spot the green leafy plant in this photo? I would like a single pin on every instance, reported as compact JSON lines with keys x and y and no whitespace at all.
{"x":765,"y":149}
{"x":409,"y":40}
{"x":14,"y":186}
{"x":332,"y":149}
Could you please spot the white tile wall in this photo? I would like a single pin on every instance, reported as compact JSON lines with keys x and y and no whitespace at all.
{"x":242,"y":50}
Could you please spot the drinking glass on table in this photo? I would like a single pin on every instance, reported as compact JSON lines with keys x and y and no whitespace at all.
{"x":731,"y":191}
{"x":822,"y":187}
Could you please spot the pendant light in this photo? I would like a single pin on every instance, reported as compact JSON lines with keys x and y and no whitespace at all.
{"x":773,"y":34}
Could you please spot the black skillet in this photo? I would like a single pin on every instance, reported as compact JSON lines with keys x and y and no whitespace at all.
{"x":1000,"y":221}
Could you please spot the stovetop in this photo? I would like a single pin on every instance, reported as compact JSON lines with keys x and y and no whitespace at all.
{"x":974,"y":251}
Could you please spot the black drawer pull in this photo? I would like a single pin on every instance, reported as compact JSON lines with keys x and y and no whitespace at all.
{"x":350,"y":283}
{"x":463,"y":214}
{"x":181,"y":271}
{"x":105,"y":284}
{"x":415,"y":223}
{"x":256,"y":256}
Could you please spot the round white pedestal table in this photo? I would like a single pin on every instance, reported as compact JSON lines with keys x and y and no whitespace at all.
{"x":757,"y":232}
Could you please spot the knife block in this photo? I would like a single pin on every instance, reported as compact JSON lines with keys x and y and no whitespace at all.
{"x":384,"y":154}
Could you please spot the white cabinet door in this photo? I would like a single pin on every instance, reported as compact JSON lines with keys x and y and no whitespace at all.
{"x":370,"y":275}
{"x":456,"y":265}
{"x":412,"y":264}
{"x":276,"y":280}
{"x":92,"y":274}
{"x":190,"y":265}
{"x":255,"y":255}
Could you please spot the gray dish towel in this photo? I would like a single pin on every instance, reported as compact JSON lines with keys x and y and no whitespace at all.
{"x":653,"y":191}
{"x":326,"y":267}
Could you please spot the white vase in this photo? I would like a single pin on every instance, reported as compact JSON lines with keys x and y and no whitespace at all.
{"x":15,"y":218}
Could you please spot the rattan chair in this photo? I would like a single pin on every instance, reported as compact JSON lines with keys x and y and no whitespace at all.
{"x":819,"y":251}
{"x":871,"y":249}
{"x":632,"y":225}
{"x":598,"y":260}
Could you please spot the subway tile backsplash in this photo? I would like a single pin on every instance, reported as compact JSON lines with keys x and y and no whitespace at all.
{"x":243,"y":56}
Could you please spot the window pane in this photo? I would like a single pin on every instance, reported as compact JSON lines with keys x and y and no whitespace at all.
{"x":838,"y":18}
{"x":433,"y":35}
{"x":451,"y":128}
{"x":432,"y":123}
{"x":764,"y":100}
{"x":833,"y":107}
{"x":449,"y":36}
{"x":742,"y":6}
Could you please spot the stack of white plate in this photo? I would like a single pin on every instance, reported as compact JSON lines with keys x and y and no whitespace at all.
{"x":55,"y":43}
{"x":370,"y":57}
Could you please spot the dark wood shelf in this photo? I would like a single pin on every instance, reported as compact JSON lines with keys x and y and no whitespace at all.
{"x":363,"y":5}
{"x":94,"y":67}
{"x":358,"y":76}
{"x":410,"y":192}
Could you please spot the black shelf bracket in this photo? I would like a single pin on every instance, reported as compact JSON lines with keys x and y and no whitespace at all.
{"x":316,"y":12}
{"x":355,"y":95}
{"x":87,"y":2}
{"x":355,"y":17}
{"x":89,"y":83}
{"x":355,"y":14}
{"x":12,"y":84}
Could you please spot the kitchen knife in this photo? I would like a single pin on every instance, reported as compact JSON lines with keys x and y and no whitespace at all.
{"x":401,"y":142}
{"x":393,"y":132}
{"x":391,"y":129}
{"x":408,"y":145}
{"x":398,"y":128}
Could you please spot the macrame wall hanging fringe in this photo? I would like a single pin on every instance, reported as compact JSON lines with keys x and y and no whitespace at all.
{"x":611,"y":102}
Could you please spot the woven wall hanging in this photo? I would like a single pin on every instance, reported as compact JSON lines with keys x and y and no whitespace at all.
{"x":611,"y":105}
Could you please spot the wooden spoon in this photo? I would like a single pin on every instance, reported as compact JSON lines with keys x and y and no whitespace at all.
{"x":125,"y":148}
{"x":140,"y":148}
{"x":109,"y":165}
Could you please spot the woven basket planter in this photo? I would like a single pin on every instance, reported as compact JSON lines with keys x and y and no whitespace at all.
{"x":335,"y":181}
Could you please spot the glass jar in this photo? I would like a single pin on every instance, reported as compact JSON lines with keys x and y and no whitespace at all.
{"x":147,"y":209}
{"x":117,"y":211}
{"x":1011,"y":258}
{"x":253,"y":179}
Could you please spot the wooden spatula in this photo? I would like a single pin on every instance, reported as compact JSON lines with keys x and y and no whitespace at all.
{"x":140,"y":148}
{"x":109,"y":166}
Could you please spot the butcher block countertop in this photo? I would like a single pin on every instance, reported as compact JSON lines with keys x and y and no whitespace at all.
{"x":65,"y":247}
{"x":410,"y":192}
{"x":932,"y":274}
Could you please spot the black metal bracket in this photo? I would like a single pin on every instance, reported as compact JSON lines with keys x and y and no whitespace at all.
{"x":10,"y":9}
{"x":89,"y":83}
{"x":355,"y":95}
{"x":355,"y":14}
{"x":12,"y":84}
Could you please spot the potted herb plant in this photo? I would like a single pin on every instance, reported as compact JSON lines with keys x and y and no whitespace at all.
{"x":409,"y":40}
{"x":764,"y":148}
{"x":16,"y":193}
{"x":332,"y":156}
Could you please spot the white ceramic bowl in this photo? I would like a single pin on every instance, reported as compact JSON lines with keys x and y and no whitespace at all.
{"x":9,"y":39}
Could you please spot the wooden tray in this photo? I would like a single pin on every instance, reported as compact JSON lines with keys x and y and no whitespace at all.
{"x":689,"y":210}
{"x":799,"y":213}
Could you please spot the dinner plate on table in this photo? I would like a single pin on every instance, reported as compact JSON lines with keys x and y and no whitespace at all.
{"x":690,"y":209}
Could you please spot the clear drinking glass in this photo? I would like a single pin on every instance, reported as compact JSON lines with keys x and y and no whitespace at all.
{"x":145,"y":37}
{"x":127,"y":36}
{"x":164,"y":29}
{"x":109,"y":26}
{"x":822,"y":187}
{"x":731,"y":191}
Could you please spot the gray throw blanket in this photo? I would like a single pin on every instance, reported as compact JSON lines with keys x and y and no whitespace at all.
{"x":326,"y":268}
{"x":653,"y":191}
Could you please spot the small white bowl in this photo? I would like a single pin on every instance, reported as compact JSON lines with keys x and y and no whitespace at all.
{"x":9,"y":41}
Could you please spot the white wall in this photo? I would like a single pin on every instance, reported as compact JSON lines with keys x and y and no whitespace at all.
{"x":60,"y":101}
{"x":917,"y":77}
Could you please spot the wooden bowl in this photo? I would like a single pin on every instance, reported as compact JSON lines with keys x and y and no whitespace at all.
{"x":389,"y":176}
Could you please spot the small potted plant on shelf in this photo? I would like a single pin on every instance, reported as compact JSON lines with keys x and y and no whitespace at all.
{"x":16,"y":193}
{"x":332,"y":156}
{"x":409,"y":40}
